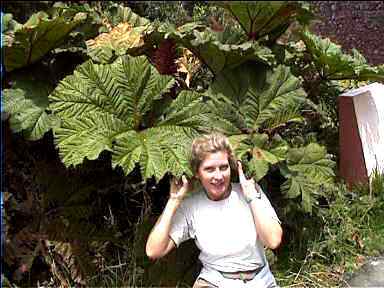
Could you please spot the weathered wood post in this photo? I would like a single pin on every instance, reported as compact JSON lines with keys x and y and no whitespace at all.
{"x":361,"y":134}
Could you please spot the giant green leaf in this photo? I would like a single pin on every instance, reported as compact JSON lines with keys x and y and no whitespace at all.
{"x":251,"y":100}
{"x":28,"y":43}
{"x":26,"y":103}
{"x":184,"y":32}
{"x":86,"y":136}
{"x":108,"y":107}
{"x":157,"y":150}
{"x":281,"y":99}
{"x":333,"y":64}
{"x":311,"y":161}
{"x":237,"y":143}
{"x":219,"y":56}
{"x":271,"y":151}
{"x":303,"y":187}
{"x":260,"y":19}
{"x":118,"y":13}
{"x":187,"y":111}
{"x":216,"y":49}
{"x":261,"y":151}
{"x":307,"y":169}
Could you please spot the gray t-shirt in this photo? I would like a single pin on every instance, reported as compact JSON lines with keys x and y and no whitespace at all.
{"x":224,"y":230}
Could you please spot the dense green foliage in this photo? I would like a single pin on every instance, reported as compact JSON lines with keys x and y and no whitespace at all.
{"x":131,"y":91}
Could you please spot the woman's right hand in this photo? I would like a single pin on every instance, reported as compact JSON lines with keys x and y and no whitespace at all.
{"x":159,"y":242}
{"x":179,"y":188}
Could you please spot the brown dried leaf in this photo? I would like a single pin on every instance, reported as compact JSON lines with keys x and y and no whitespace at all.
{"x":123,"y":36}
{"x":188,"y":64}
{"x":357,"y":239}
{"x":360,"y":260}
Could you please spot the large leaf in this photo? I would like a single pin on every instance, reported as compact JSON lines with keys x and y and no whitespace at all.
{"x":303,"y":187}
{"x":219,"y":56}
{"x":187,"y":111}
{"x":311,"y":161}
{"x":28,"y":43}
{"x":119,"y":14}
{"x":237,"y":143}
{"x":157,"y":150}
{"x":107,"y":106}
{"x":214,"y":48}
{"x":125,"y":36}
{"x":125,"y":88}
{"x":266,"y":18}
{"x":269,"y":151}
{"x":261,"y":151}
{"x":122,"y":39}
{"x":307,"y":169}
{"x":86,"y":136}
{"x":245,"y":99}
{"x":281,"y":99}
{"x":184,"y":32}
{"x":333,"y":64}
{"x":26,"y":103}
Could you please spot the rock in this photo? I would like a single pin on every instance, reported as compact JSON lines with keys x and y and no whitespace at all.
{"x":370,"y":275}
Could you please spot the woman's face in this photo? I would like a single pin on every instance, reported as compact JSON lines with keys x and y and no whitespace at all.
{"x":214,"y":174}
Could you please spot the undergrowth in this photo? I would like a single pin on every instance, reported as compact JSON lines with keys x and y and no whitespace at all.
{"x":351,"y":229}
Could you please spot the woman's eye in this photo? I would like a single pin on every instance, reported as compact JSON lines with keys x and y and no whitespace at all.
{"x":223,"y":168}
{"x":210,"y":170}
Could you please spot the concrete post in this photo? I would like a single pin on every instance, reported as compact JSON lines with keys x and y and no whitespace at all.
{"x":361,"y":134}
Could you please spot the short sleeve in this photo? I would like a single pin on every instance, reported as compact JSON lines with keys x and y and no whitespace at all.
{"x":267,"y":207}
{"x":180,"y":229}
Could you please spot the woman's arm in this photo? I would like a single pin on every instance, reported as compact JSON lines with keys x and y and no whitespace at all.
{"x":268,"y":229}
{"x":159,"y":243}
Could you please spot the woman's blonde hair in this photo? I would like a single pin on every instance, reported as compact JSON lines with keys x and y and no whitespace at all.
{"x":210,"y":143}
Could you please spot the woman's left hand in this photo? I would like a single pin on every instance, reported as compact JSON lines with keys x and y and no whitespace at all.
{"x":268,"y":228}
{"x":248,"y":186}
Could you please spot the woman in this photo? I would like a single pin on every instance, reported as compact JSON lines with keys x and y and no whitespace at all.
{"x":230,"y":223}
